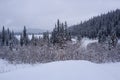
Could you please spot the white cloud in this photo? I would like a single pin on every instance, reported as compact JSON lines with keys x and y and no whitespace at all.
{"x":44,"y":13}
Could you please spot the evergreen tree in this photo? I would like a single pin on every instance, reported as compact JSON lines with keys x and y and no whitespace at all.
{"x":21,"y":40}
{"x":24,"y":32}
{"x":67,"y":33}
{"x":8,"y":38}
{"x":24,"y":37}
{"x":46,"y":36}
{"x":34,"y":40}
{"x":60,"y":33}
{"x":3,"y":36}
{"x":114,"y":38}
{"x":102,"y":36}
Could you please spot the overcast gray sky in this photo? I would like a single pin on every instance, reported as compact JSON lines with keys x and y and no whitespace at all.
{"x":43,"y":14}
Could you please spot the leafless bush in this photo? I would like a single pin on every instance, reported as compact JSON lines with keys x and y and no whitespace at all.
{"x":41,"y":54}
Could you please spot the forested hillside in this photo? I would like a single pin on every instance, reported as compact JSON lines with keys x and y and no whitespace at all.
{"x":107,"y":23}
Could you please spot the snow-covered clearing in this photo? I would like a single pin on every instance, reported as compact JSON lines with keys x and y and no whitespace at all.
{"x":86,"y":41}
{"x":65,"y":70}
{"x":30,"y":36}
{"x":6,"y":67}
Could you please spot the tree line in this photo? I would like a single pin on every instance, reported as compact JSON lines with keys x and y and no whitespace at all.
{"x":105,"y":28}
{"x":59,"y":35}
{"x":91,"y":27}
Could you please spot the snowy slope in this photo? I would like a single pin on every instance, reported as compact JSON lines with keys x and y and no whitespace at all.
{"x":66,"y":70}
{"x":6,"y":67}
{"x":86,"y":41}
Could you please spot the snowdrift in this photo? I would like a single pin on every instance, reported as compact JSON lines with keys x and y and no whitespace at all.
{"x":65,"y":70}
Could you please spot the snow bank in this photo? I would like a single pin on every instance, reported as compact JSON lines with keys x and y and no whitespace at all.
{"x":6,"y":67}
{"x":74,"y":40}
{"x":66,"y":70}
{"x":86,"y":41}
{"x":30,"y":36}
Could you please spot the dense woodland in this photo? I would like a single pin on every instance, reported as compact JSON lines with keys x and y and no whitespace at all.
{"x":58,"y":44}
{"x":105,"y":22}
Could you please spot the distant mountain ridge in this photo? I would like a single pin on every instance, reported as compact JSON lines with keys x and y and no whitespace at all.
{"x":35,"y":31}
{"x":32,"y":31}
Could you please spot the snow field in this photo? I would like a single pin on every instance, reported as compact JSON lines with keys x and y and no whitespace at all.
{"x":66,"y":70}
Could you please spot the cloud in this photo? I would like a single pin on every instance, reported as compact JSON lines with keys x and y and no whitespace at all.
{"x":44,"y":13}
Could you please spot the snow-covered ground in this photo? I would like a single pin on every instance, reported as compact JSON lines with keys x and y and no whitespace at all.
{"x":30,"y":36}
{"x":65,"y":70}
{"x":86,"y":41}
{"x":6,"y":67}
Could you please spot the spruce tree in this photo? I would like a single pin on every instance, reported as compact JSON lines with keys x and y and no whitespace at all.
{"x":21,"y":40}
{"x":102,"y":36}
{"x":114,"y":38}
{"x":24,"y":37}
{"x":60,"y":33}
{"x":3,"y":36}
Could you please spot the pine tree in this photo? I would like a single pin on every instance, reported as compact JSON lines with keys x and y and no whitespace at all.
{"x":67,"y":33}
{"x":24,"y":32}
{"x":34,"y":40}
{"x":58,"y":25}
{"x":3,"y":36}
{"x":114,"y":38}
{"x":60,"y":33}
{"x":21,"y":40}
{"x":46,"y":38}
{"x":24,"y":37}
{"x":102,"y":36}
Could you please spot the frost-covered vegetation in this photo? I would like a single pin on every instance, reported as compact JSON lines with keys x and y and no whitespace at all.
{"x":59,"y":46}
